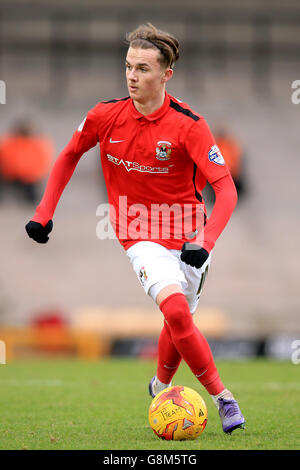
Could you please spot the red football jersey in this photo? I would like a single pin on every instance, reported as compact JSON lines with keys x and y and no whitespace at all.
{"x":154,"y":166}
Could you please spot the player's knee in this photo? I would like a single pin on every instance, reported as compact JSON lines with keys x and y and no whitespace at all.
{"x":177,"y":313}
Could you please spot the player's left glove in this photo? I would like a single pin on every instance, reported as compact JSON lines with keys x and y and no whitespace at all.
{"x":193,"y":254}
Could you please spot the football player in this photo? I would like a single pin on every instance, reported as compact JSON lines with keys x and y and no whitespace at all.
{"x":157,"y":155}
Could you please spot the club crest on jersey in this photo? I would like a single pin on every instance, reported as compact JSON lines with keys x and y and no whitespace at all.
{"x":215,"y":156}
{"x":142,"y":275}
{"x":163,"y":150}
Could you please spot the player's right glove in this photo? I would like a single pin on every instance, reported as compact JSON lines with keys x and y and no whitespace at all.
{"x":39,"y":233}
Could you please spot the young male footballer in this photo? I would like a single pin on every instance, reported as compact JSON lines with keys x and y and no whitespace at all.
{"x":157,"y":155}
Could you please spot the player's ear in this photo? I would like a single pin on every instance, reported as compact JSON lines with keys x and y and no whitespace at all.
{"x":167,"y":75}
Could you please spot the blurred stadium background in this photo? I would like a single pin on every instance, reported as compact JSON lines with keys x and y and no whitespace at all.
{"x":239,"y":59}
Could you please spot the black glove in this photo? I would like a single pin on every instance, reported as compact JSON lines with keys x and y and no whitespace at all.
{"x":193,"y":254}
{"x":39,"y":233}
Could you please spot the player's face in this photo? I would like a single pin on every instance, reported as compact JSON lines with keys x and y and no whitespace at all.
{"x":145,"y":76}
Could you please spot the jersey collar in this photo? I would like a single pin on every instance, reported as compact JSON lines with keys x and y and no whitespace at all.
{"x":153,"y":116}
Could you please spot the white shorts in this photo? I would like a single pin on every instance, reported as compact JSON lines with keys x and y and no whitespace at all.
{"x":157,"y":267}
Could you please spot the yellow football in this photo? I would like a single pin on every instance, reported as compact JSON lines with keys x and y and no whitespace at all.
{"x":178,"y":413}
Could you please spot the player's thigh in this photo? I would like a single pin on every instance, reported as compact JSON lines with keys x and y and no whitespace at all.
{"x":195,"y":282}
{"x":156,"y":267}
{"x":165,"y":292}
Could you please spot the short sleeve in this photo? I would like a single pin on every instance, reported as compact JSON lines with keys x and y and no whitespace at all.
{"x":202,"y":149}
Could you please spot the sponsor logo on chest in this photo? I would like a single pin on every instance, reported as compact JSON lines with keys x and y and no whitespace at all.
{"x":129,"y":166}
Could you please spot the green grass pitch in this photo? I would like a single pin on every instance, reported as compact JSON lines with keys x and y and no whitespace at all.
{"x":69,"y":404}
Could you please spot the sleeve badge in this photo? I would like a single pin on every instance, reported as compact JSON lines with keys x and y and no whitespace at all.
{"x":215,"y":156}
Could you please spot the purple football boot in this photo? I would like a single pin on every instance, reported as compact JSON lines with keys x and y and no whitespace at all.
{"x":150,"y":387}
{"x":153,"y":385}
{"x":230,"y":415}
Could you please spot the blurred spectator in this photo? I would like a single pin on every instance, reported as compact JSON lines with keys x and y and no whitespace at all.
{"x":233,"y":154}
{"x":25,"y":160}
{"x":51,"y":331}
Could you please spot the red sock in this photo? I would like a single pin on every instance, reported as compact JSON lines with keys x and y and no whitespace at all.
{"x":168,"y":356}
{"x":190,"y":342}
{"x":212,"y":381}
